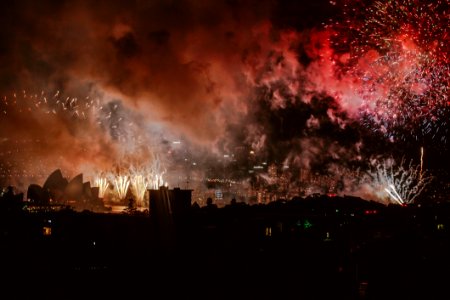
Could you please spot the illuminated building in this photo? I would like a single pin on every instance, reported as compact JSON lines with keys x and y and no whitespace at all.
{"x":272,"y":171}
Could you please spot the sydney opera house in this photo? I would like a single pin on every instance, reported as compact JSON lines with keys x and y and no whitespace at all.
{"x":58,"y":192}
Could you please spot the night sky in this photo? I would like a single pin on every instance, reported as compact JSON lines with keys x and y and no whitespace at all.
{"x":328,"y":86}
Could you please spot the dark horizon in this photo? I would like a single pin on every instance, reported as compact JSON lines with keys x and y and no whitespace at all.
{"x":316,"y":248}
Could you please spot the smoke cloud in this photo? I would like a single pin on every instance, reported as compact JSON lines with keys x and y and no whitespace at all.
{"x":181,"y":82}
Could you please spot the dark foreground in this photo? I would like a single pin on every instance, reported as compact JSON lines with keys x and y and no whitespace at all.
{"x":303,"y":249}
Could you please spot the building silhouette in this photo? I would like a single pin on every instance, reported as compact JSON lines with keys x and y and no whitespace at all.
{"x":169,"y":209}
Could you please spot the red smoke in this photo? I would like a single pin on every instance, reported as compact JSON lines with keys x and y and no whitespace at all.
{"x":187,"y":70}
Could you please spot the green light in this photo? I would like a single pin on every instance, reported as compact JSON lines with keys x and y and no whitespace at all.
{"x":307,"y":224}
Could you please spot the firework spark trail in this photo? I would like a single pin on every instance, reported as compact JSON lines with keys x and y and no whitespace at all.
{"x":122,"y":183}
{"x":46,"y":130}
{"x":55,"y":104}
{"x":421,"y":162}
{"x":151,"y":173}
{"x":97,"y":112}
{"x":139,"y":186}
{"x":102,"y":184}
{"x":396,"y":194}
{"x":137,"y":177}
{"x":110,"y":124}
{"x":391,"y":191}
{"x":398,"y":59}
{"x":155,"y":181}
{"x":403,"y":183}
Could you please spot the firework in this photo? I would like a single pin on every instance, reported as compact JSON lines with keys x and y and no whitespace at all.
{"x":398,"y":59}
{"x":393,"y":194}
{"x":136,"y":177}
{"x":35,"y":114}
{"x":138,"y":187}
{"x":155,"y":181}
{"x":96,"y":112}
{"x":150,"y":174}
{"x":122,"y":183}
{"x":103,"y":185}
{"x":421,"y":162}
{"x":400,"y":183}
{"x":50,"y":104}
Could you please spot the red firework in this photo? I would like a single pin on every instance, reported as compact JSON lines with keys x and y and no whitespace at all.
{"x":398,"y":55}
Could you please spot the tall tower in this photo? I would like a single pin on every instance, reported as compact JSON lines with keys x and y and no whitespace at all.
{"x":174,"y":202}
{"x":168,"y":211}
